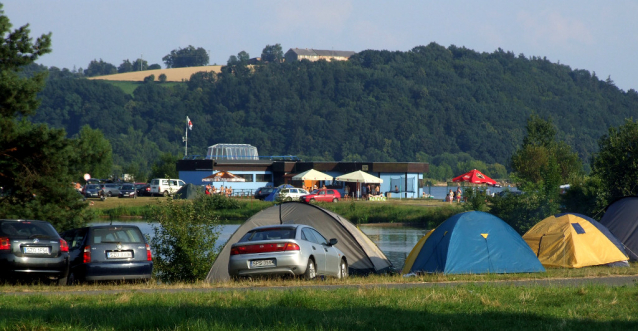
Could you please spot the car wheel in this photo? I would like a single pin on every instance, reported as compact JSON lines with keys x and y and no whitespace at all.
{"x":311,"y":272}
{"x":312,"y":200}
{"x":165,"y":193}
{"x":109,"y":194}
{"x":62,"y":281}
{"x":343,"y":269}
{"x":335,"y":200}
{"x":71,"y":279}
{"x":288,"y":199}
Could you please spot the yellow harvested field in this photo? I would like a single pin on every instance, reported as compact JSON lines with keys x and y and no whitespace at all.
{"x":172,"y":75}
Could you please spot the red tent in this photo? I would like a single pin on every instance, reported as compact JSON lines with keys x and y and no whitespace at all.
{"x":475,"y":177}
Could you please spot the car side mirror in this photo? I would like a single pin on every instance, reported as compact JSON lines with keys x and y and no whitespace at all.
{"x":333,"y":241}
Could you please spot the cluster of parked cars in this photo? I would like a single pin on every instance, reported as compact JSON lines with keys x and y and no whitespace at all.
{"x":299,"y":194}
{"x":157,"y":187}
{"x":33,"y":249}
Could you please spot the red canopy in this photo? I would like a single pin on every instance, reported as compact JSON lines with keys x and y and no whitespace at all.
{"x":475,"y":177}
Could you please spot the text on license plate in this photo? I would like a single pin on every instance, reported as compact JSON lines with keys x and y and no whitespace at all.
{"x":262,"y":263}
{"x":119,"y":255}
{"x":36,"y":250}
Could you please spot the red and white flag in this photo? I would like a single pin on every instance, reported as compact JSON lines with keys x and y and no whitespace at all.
{"x":190,"y":124}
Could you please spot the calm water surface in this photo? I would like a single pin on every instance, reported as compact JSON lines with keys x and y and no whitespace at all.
{"x":395,"y":242}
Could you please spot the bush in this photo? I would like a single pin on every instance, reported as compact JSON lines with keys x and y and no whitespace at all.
{"x":184,"y":241}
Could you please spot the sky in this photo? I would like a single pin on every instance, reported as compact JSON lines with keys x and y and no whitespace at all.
{"x":598,"y":36}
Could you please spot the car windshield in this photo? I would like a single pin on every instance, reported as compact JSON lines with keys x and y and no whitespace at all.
{"x":28,"y":230}
{"x":269,"y":234}
{"x":93,"y":187}
{"x":140,"y":185}
{"x":128,"y":187}
{"x":117,"y":234}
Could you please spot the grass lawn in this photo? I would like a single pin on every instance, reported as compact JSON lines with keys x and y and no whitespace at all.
{"x":467,"y":307}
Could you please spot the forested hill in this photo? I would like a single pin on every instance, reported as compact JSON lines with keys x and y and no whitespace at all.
{"x":379,"y":106}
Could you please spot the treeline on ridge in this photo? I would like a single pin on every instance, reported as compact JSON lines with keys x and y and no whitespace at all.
{"x":452,"y":107}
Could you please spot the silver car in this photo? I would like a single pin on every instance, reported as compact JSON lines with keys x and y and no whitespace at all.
{"x":291,"y":249}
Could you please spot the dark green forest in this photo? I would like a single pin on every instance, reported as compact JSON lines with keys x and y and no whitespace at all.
{"x":447,"y":106}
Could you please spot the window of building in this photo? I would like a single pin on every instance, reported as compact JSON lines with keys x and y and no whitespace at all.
{"x":263,"y":178}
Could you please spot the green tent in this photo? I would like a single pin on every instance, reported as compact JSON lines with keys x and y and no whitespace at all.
{"x":188,"y":191}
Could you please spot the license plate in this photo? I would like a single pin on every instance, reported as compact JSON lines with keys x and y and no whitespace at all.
{"x":262,"y":263}
{"x":35,"y":250}
{"x":119,"y":255}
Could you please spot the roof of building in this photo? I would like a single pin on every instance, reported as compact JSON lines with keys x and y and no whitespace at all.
{"x":321,"y":52}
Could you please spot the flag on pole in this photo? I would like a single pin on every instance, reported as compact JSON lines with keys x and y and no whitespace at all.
{"x":190,"y":124}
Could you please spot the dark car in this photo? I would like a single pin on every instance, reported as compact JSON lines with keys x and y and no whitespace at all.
{"x":108,"y":252}
{"x":127,"y":191}
{"x":92,"y":190}
{"x":31,"y":249}
{"x":263,"y":192}
{"x":143,"y":190}
{"x":324,"y":195}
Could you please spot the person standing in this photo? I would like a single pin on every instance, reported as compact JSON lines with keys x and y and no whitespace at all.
{"x":458,"y":194}
{"x":450,"y":196}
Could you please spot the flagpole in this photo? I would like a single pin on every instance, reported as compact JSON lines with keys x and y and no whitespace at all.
{"x":186,"y":139}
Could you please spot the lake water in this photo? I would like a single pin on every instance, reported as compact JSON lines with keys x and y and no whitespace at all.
{"x":395,"y":242}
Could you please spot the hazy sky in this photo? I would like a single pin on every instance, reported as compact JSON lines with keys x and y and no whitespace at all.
{"x":600,"y":36}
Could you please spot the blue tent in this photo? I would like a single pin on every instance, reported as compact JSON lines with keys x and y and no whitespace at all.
{"x":473,"y":243}
{"x":273,"y":195}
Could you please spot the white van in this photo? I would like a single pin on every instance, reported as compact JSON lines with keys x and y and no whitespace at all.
{"x":165,"y":186}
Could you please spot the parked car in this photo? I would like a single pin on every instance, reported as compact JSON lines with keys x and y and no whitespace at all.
{"x":111,"y":189}
{"x":286,"y":250}
{"x":32,"y":249}
{"x":108,"y":252}
{"x":165,"y":186}
{"x":263,"y":192}
{"x":127,"y":191}
{"x":292,"y":194}
{"x":325,"y":195}
{"x":143,"y":189}
{"x":92,"y":190}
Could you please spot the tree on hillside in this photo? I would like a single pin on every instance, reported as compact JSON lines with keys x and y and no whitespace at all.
{"x":540,"y":166}
{"x":165,"y":167}
{"x":154,"y":66}
{"x":35,"y":161}
{"x":100,"y":68}
{"x":140,"y":65}
{"x":126,"y":66}
{"x":272,"y":53}
{"x":186,"y":57}
{"x":93,"y":153}
{"x":616,"y":163}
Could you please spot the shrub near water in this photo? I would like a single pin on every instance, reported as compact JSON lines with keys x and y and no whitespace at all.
{"x":184,"y":243}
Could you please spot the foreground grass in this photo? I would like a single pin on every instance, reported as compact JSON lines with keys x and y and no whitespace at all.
{"x":463,"y":307}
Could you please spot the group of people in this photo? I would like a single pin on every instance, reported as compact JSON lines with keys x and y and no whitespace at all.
{"x":368,"y":190}
{"x":455,"y":195}
{"x":227,"y":191}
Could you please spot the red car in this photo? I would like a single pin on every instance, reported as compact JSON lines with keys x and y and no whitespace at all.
{"x":325,"y":195}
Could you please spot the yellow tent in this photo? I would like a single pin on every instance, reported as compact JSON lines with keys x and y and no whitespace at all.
{"x":409,"y":261}
{"x":573,"y":241}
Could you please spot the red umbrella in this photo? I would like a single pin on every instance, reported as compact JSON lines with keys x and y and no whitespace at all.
{"x":475,"y":177}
